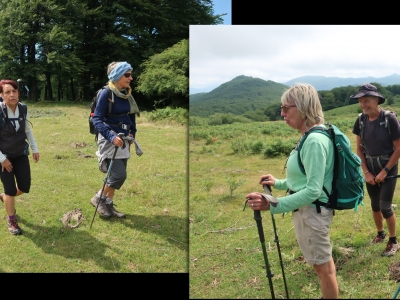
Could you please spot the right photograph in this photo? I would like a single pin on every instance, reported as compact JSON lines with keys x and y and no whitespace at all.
{"x":293,"y":144}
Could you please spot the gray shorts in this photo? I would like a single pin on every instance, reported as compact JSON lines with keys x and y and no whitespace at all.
{"x":312,"y":233}
{"x":117,"y":174}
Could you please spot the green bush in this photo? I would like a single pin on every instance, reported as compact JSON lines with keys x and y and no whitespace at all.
{"x":278,"y":148}
{"x":219,"y":119}
{"x":169,"y":115}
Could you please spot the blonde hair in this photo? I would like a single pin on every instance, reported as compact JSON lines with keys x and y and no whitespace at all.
{"x":306,"y":99}
{"x":111,"y":66}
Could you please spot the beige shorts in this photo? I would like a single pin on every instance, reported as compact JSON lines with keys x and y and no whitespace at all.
{"x":312,"y":233}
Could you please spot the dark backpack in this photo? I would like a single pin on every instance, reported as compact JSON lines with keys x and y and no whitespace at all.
{"x":92,"y":106}
{"x":348,"y":180}
{"x":23,"y":109}
{"x":361,"y":124}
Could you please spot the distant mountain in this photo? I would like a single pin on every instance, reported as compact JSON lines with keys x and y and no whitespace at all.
{"x":241,"y":94}
{"x":328,"y":83}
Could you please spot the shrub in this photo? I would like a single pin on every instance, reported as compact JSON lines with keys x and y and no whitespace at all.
{"x":169,"y":115}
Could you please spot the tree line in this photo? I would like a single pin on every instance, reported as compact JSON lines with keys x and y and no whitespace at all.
{"x":337,"y":97}
{"x":61,"y":48}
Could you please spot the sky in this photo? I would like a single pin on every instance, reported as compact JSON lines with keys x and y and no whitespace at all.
{"x":223,"y":7}
{"x":219,"y":53}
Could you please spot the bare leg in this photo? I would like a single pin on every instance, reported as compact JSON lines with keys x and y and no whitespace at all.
{"x":378,"y":219}
{"x":391,"y":224}
{"x":109,"y":191}
{"x":9,"y":204}
{"x":327,"y":279}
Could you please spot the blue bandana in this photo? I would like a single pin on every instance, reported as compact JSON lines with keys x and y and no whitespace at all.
{"x":118,"y":71}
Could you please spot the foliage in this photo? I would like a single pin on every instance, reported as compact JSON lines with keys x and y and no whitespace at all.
{"x":61,"y":48}
{"x":256,"y":115}
{"x":219,"y":119}
{"x":278,"y":148}
{"x":169,"y":115}
{"x":167,"y":75}
{"x":234,"y":183}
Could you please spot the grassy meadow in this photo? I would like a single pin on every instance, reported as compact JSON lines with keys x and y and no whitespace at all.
{"x":154,"y":235}
{"x":226,"y":259}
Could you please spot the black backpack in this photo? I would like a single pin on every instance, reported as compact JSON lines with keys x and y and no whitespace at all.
{"x":92,"y":106}
{"x":23,"y":109}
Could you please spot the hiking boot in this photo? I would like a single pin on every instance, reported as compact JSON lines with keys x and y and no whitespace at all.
{"x":391,"y":249}
{"x":111,"y":208}
{"x":378,"y":239}
{"x":1,"y":198}
{"x":102,"y":208}
{"x":13,"y":227}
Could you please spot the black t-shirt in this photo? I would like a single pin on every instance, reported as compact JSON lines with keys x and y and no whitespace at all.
{"x":376,"y":137}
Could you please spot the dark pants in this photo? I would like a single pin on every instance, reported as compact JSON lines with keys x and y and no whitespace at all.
{"x":381,"y":195}
{"x":20,"y":176}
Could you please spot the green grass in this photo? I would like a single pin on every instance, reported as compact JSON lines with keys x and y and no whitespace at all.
{"x":226,"y":259}
{"x":152,"y":238}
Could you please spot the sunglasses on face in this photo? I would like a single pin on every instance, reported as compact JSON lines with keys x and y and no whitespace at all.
{"x":127,"y":75}
{"x":285,"y":108}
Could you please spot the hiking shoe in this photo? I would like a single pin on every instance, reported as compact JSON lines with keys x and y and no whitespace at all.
{"x":13,"y":227}
{"x":102,"y":208}
{"x":378,"y":239}
{"x":1,"y":198}
{"x":391,"y":249}
{"x":111,"y":208}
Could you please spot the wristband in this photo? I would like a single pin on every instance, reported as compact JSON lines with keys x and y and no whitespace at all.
{"x":386,"y":169}
{"x":366,"y":172}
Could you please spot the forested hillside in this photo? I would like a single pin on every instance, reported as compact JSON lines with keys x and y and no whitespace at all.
{"x":241,"y":94}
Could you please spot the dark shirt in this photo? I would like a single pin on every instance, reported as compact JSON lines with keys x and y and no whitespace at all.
{"x":376,"y":137}
{"x":120,"y":108}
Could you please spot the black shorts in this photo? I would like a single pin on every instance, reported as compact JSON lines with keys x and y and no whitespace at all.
{"x":20,"y":176}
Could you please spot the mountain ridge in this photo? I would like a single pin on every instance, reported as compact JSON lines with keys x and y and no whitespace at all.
{"x":328,"y":83}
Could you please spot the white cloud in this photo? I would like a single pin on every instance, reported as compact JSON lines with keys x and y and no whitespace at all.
{"x":283,"y":52}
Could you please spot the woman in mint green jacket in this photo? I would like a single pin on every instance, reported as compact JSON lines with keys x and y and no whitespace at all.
{"x":301,"y":109}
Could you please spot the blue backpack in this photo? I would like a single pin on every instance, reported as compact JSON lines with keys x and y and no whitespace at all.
{"x":348,"y":180}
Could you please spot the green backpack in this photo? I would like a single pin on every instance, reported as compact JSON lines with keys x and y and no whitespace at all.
{"x":348,"y":180}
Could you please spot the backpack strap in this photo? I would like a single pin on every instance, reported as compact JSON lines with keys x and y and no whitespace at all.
{"x":387,"y":113}
{"x":23,"y":110}
{"x":110,"y":97}
{"x":331,"y":134}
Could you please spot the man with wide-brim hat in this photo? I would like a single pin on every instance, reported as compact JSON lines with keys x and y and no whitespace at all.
{"x":378,"y":145}
{"x":368,"y":90}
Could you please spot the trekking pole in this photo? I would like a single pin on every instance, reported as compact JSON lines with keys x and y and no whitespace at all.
{"x":397,"y":292}
{"x":267,"y":190}
{"x":120,"y":135}
{"x":257,"y":217}
{"x":393,"y":176}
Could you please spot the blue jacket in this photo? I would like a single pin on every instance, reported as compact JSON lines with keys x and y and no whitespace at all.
{"x":120,"y":111}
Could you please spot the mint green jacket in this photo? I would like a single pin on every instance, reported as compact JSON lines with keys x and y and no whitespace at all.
{"x":317,"y":156}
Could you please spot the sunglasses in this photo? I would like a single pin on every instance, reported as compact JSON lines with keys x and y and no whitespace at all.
{"x":127,"y":75}
{"x":285,"y":108}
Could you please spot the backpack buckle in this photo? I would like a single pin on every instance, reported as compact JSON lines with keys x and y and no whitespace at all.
{"x":123,"y":126}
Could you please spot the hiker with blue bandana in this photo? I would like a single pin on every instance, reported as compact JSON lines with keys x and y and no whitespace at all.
{"x":113,"y":115}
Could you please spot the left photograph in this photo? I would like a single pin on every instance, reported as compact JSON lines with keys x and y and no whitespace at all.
{"x":93,"y":135}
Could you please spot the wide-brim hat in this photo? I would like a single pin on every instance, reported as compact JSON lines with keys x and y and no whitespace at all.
{"x":368,"y":90}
